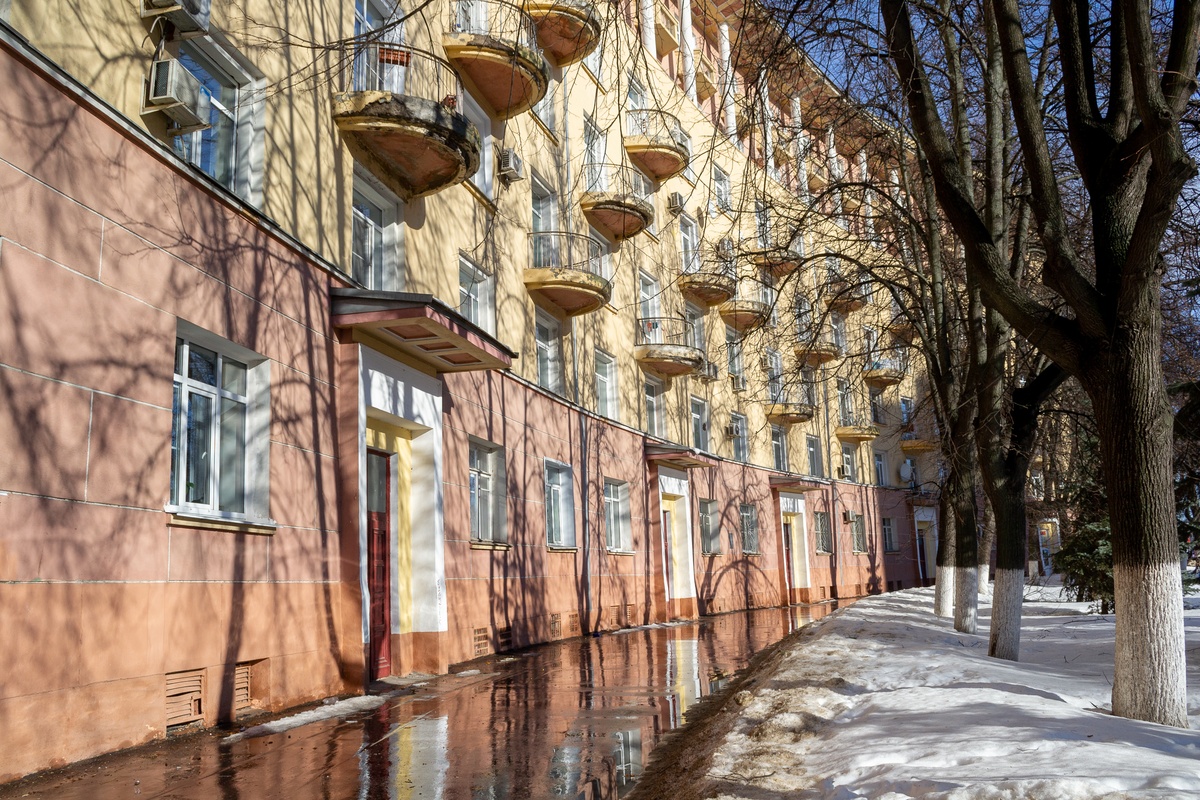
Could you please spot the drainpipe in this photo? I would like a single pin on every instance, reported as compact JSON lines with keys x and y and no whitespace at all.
{"x":646,"y":7}
{"x":801,"y":151}
{"x":727,"y":81}
{"x":768,"y":126}
{"x":833,"y":491}
{"x":687,"y":43}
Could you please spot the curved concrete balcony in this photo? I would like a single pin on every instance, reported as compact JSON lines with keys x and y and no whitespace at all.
{"x":567,"y":270}
{"x":613,"y":200}
{"x":396,"y":111}
{"x":842,"y":295}
{"x":782,"y":258}
{"x":667,"y":346}
{"x":901,"y":327}
{"x":708,"y":286}
{"x":743,"y":314}
{"x":817,"y":351}
{"x":852,"y":429}
{"x":914,"y":443}
{"x":784,"y":411}
{"x":568,"y":30}
{"x":654,"y":141}
{"x":884,"y":373}
{"x":493,"y":44}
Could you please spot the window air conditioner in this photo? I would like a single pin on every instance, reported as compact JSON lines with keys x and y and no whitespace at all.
{"x":709,"y":371}
{"x":675,"y":203}
{"x":738,"y":382}
{"x":178,"y":94}
{"x":841,"y":473}
{"x":190,"y":17}
{"x":731,"y":431}
{"x":848,"y":516}
{"x":512,"y":168}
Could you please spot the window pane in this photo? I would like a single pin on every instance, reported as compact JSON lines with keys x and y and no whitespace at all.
{"x":199,"y":445}
{"x":176,"y":442}
{"x":233,"y":376}
{"x":202,"y":365}
{"x":233,"y":456}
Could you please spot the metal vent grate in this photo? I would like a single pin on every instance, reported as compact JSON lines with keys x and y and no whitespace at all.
{"x":185,"y":697}
{"x":482,"y":645}
{"x":572,"y":623}
{"x":555,"y":626}
{"x":614,"y":616}
{"x":504,"y":639}
{"x":241,"y":688}
{"x":630,"y":614}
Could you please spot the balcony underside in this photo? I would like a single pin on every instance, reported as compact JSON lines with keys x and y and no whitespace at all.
{"x":856,"y":433}
{"x":618,"y":215}
{"x":817,"y":353}
{"x":657,"y":156}
{"x":566,"y":29}
{"x":915,"y":446}
{"x":744,"y":315}
{"x":508,"y":77}
{"x":780,"y":264}
{"x":413,"y":145}
{"x":671,"y":360}
{"x":790,"y":413}
{"x":710,"y":288}
{"x":883,"y":377}
{"x":573,"y":291}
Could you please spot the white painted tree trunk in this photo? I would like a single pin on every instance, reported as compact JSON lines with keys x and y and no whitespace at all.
{"x":966,"y":600}
{"x":1150,"y":642}
{"x":1005,"y":636}
{"x":943,"y":594}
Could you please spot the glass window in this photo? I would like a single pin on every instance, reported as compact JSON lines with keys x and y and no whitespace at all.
{"x":876,"y":396}
{"x":689,"y":244}
{"x":618,"y":528}
{"x":654,"y":407}
{"x":367,"y":258}
{"x":815,"y":466}
{"x":858,"y":530}
{"x":213,"y":150}
{"x":649,"y":302}
{"x":845,"y":402}
{"x":774,"y":362}
{"x":699,"y":424}
{"x":606,"y":385}
{"x":738,"y":438}
{"x":762,"y":224}
{"x":838,"y":323}
{"x":595,"y":62}
{"x":722,"y":192}
{"x":544,"y":108}
{"x":476,"y":295}
{"x":849,"y":462}
{"x":889,"y":535}
{"x":748,"y":515}
{"x":710,"y":527}
{"x":824,"y":532}
{"x":594,"y":156}
{"x":733,"y":352}
{"x":880,"y":469}
{"x":694,"y":315}
{"x":906,"y":410}
{"x":548,"y":333}
{"x":483,"y":177}
{"x":560,"y":505}
{"x":808,"y":385}
{"x":779,"y":448}
{"x":485,"y":483}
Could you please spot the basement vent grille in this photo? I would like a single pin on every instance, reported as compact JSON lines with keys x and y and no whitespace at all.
{"x":504,"y":639}
{"x":572,"y":623}
{"x":630,"y":614}
{"x":614,"y":616}
{"x":185,"y":698}
{"x":482,"y":646}
{"x":555,"y":626}
{"x":241,"y":688}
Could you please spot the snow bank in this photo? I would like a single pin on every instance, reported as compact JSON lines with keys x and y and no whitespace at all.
{"x":342,"y":708}
{"x":888,"y":702}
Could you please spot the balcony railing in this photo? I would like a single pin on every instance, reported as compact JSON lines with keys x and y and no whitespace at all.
{"x":496,"y":18}
{"x":603,"y":177}
{"x":666,"y":330}
{"x":566,"y":250}
{"x":654,"y":123}
{"x":379,"y":66}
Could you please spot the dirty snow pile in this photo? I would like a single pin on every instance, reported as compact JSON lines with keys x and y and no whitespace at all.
{"x":886,"y":701}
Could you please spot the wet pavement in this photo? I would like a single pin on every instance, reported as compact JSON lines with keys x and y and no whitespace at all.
{"x":576,"y":719}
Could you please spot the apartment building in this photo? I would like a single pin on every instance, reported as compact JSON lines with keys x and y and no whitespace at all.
{"x":344,"y":340}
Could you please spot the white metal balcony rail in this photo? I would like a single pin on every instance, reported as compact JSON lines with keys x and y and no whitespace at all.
{"x":666,"y":330}
{"x":380,"y":66}
{"x":566,"y":250}
{"x":496,"y":18}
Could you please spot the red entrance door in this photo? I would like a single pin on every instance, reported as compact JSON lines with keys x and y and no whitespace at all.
{"x":378,"y":564}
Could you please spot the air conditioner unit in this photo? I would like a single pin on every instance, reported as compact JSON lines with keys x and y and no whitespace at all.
{"x":725,"y":248}
{"x":848,"y":516}
{"x":512,"y":168}
{"x":738,"y":382}
{"x":177,"y":93}
{"x":765,"y":363}
{"x":709,"y":371}
{"x":732,"y":431}
{"x":190,"y":17}
{"x":841,"y":473}
{"x":676,"y":203}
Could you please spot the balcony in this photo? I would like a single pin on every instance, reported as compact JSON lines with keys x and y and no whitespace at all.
{"x":654,"y":142}
{"x":744,"y":314}
{"x":842,"y":295}
{"x":914,"y":443}
{"x":852,"y":428}
{"x":567,"y":271}
{"x":884,"y":373}
{"x":710,"y":284}
{"x":493,"y":44}
{"x":782,"y":258}
{"x":667,"y":346}
{"x":785,"y":410}
{"x":568,"y":30}
{"x":395,"y":109}
{"x":818,"y":350}
{"x":666,"y":29}
{"x":615,"y":200}
{"x":901,"y":326}
{"x":707,"y":80}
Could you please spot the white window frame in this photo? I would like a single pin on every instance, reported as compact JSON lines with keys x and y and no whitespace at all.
{"x":545,"y":109}
{"x":476,"y":295}
{"x":696,"y":316}
{"x":813,"y":446}
{"x":733,"y":352}
{"x":845,"y":402}
{"x":689,"y":245}
{"x":594,"y":61}
{"x":486,"y":488}
{"x":748,"y":519}
{"x":722,"y":189}
{"x":549,"y":352}
{"x":607,"y":394}
{"x":559,"y":499}
{"x":710,"y":527}
{"x":875,"y":401}
{"x":887,"y":529}
{"x":595,"y":156}
{"x":698,"y":408}
{"x":779,"y":449}
{"x":850,"y":463}
{"x":774,"y":363}
{"x":388,"y":273}
{"x":823,"y":532}
{"x":906,"y":411}
{"x":252,"y":475}
{"x":618,"y":523}
{"x":880,"y":461}
{"x":739,"y":438}
{"x":654,"y":392}
{"x":484,"y":178}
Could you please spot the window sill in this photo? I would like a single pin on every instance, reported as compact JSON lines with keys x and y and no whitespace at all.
{"x":595,"y":79}
{"x":482,"y":544}
{"x":752,"y":553}
{"x":194,"y":519}
{"x":825,"y":553}
{"x":562,"y":548}
{"x":478,"y":194}
{"x":614,"y":552}
{"x":546,"y":129}
{"x":710,"y":555}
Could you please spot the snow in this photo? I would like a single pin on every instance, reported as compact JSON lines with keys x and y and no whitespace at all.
{"x":341,"y":708}
{"x":886,"y":701}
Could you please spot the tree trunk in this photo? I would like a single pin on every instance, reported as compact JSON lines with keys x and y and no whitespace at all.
{"x":961,"y":490}
{"x":985,"y":548}
{"x":1134,"y":421}
{"x":1009,"y":507}
{"x":943,"y":588}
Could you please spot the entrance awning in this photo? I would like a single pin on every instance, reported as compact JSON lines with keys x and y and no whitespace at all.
{"x":678,"y":456}
{"x":795,"y":483}
{"x":422,"y":327}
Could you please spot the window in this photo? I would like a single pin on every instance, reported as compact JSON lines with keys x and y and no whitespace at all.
{"x":618,"y":529}
{"x":833,"y":270}
{"x":599,"y":255}
{"x":635,"y":101}
{"x":595,"y":147}
{"x":689,"y":172}
{"x":483,"y":177}
{"x":871,"y":346}
{"x":733,"y":351}
{"x":377,"y":239}
{"x":544,"y":215}
{"x":649,"y":303}
{"x":767,"y":293}
{"x":808,"y":385}
{"x":762,"y":225}
{"x":748,"y":515}
{"x":548,"y":333}
{"x":710,"y":527}
{"x":824,"y":532}
{"x":890,"y":544}
{"x":774,"y":363}
{"x":595,"y":64}
{"x":699,"y":424}
{"x":838,"y":323}
{"x":858,"y":533}
{"x":845,"y":402}
{"x":876,"y":396}
{"x":230,"y":151}
{"x":738,"y":439}
{"x":779,"y":448}
{"x":694,"y":315}
{"x":560,"y":505}
{"x":606,"y":385}
{"x":880,"y":469}
{"x":689,"y":247}
{"x":815,"y":467}
{"x":804,"y":317}
{"x":654,"y":407}
{"x":906,"y":410}
{"x":219,"y":439}
{"x":485,"y":482}
{"x":722,"y":192}
{"x":643,"y":188}
{"x":476,"y":295}
{"x":850,"y":462}
{"x":544,"y":108}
